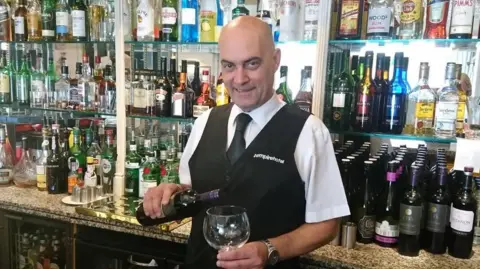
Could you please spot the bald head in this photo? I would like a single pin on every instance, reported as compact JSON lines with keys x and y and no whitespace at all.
{"x":249,"y":61}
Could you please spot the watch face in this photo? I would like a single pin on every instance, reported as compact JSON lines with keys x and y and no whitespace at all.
{"x":273,"y":257}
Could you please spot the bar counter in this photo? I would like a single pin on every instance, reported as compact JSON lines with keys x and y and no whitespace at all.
{"x":41,"y":204}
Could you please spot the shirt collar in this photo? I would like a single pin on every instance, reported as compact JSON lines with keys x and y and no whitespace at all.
{"x":260,"y":115}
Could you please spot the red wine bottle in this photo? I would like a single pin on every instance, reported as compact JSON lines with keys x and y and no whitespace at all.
{"x":182,"y":205}
{"x":462,"y":217}
{"x":364,"y":212}
{"x":437,"y":214}
{"x":411,"y":209}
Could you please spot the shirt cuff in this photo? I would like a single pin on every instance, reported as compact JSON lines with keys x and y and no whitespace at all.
{"x":327,"y":214}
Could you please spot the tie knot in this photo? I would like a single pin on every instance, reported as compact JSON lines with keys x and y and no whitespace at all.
{"x":242,"y":122}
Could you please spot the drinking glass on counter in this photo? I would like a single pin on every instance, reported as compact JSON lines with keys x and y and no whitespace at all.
{"x":226,"y":227}
{"x":472,"y":128}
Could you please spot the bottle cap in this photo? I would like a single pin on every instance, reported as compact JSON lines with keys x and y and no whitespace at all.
{"x":90,"y":160}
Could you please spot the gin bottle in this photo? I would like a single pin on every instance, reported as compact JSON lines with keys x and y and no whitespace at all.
{"x":447,"y":105}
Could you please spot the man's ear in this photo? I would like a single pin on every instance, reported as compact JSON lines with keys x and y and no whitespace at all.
{"x":277,"y":56}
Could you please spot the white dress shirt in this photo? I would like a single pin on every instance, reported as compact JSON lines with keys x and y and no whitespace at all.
{"x":314,"y":157}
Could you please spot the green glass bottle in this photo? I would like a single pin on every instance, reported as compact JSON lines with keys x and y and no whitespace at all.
{"x":5,"y":76}
{"x":170,"y":20}
{"x":77,"y":155}
{"x":240,"y":10}
{"x":150,"y":170}
{"x":172,"y":169}
{"x":48,"y":20}
{"x":109,"y":157}
{"x":50,"y":79}
{"x":22,"y":78}
{"x":79,"y":21}
{"x":283,"y":92}
{"x":132,"y":169}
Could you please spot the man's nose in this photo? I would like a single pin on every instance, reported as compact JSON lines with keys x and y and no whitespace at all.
{"x":241,"y":76}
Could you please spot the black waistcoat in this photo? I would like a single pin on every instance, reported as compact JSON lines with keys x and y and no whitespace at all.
{"x":271,"y":190}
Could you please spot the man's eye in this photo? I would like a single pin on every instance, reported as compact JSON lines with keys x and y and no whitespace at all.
{"x":228,"y":66}
{"x":253,"y":64}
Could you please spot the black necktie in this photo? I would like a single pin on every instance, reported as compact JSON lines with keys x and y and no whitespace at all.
{"x":238,"y":143}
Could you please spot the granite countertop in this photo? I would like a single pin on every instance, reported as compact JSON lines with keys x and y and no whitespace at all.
{"x":33,"y":202}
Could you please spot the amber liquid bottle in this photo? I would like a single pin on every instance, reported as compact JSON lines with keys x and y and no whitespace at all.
{"x":5,"y":22}
{"x":20,"y":19}
{"x":436,"y":22}
{"x":349,"y":20}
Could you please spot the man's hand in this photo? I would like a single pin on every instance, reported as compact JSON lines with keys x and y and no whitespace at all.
{"x":253,"y":255}
{"x":160,"y":195}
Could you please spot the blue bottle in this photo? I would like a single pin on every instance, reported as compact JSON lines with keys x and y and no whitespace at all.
{"x":190,"y":20}
{"x":394,"y":111}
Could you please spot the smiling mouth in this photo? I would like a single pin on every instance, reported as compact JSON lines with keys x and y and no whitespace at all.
{"x":243,"y":90}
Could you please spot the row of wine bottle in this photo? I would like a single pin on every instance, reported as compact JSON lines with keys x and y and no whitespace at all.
{"x":407,"y":201}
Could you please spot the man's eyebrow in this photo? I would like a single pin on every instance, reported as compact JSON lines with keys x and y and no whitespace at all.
{"x":255,"y":58}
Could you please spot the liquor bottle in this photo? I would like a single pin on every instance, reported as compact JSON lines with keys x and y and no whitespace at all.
{"x":5,"y":76}
{"x":381,"y":88}
{"x":411,"y":19}
{"x":62,"y":87}
{"x":48,"y":20}
{"x":95,"y":153}
{"x":342,"y":96}
{"x":109,"y":104}
{"x":190,"y":20}
{"x":411,"y":207}
{"x":86,"y":86}
{"x":149,"y":171}
{"x":38,"y":92}
{"x":386,"y":228}
{"x":203,"y":102}
{"x":5,"y":23}
{"x":354,"y":70}
{"x":109,"y":158}
{"x":145,"y":20}
{"x":379,"y":19}
{"x":437,"y":16}
{"x":182,"y":204}
{"x":20,"y":18}
{"x":62,"y":20}
{"x":310,"y":24}
{"x":265,"y":12}
{"x":421,"y":106}
{"x":408,"y":89}
{"x":304,"y":96}
{"x":6,"y":160}
{"x":240,"y":10}
{"x":181,"y":104}
{"x":196,"y":84}
{"x":75,"y":96}
{"x":23,"y":79}
{"x":96,"y":16}
{"x":447,"y":105}
{"x":289,"y":13}
{"x":222,"y":97}
{"x":283,"y":92}
{"x":169,"y":21}
{"x":364,"y":211}
{"x":79,"y":20}
{"x":463,"y":214}
{"x":163,"y":92}
{"x":208,"y":20}
{"x":365,"y":93}
{"x":393,"y":113}
{"x":50,"y":79}
{"x":132,"y":169}
{"x":461,"y":22}
{"x":25,"y":171}
{"x":56,"y":182}
{"x":349,"y":24}
{"x":34,"y":20}
{"x":76,"y":152}
{"x":462,"y":100}
{"x":42,"y":161}
{"x":437,"y":215}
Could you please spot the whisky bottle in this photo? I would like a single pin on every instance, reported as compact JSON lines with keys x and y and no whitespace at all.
{"x":79,"y":21}
{"x":34,"y":20}
{"x":5,"y":76}
{"x":48,"y":20}
{"x":20,"y":18}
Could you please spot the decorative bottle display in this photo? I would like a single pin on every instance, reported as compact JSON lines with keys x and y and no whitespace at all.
{"x":461,"y":23}
{"x":463,"y":214}
{"x":436,"y":22}
{"x":349,"y":25}
{"x":447,"y":104}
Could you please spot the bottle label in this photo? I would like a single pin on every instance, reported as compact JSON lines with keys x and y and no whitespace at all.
{"x":339,"y":100}
{"x":349,"y":17}
{"x":411,"y":11}
{"x":386,"y":233}
{"x":144,"y":186}
{"x":75,"y":166}
{"x":4,"y":83}
{"x":208,"y":21}
{"x":169,"y":16}
{"x":288,"y":14}
{"x":437,"y":218}
{"x":379,"y":20}
{"x":461,"y":220}
{"x":391,"y":176}
{"x":446,"y":115}
{"x":62,"y":21}
{"x":366,"y":226}
{"x":48,"y":23}
{"x":363,"y":108}
{"x":437,"y":10}
{"x":198,"y":110}
{"x":145,"y":20}
{"x":460,"y":114}
{"x":462,"y":17}
{"x":139,"y":98}
{"x":41,"y":177}
{"x":424,"y":110}
{"x":312,"y":10}
{"x":133,"y":147}
{"x":410,"y":219}
{"x":20,"y":25}
{"x":78,"y":23}
{"x":178,"y":103}
{"x":106,"y":166}
{"x":188,"y":16}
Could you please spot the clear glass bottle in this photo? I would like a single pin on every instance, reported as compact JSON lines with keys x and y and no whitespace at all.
{"x":6,"y":160}
{"x":411,"y":19}
{"x":96,"y":13}
{"x":421,"y":106}
{"x":447,"y":105}
{"x":63,"y":20}
{"x":462,"y":100}
{"x":23,"y":85}
{"x":34,"y":20}
{"x":38,"y":93}
{"x":62,"y":87}
{"x":379,"y":19}
{"x":86,"y":85}
{"x":42,"y":161}
{"x":289,"y":13}
{"x":145,"y":20}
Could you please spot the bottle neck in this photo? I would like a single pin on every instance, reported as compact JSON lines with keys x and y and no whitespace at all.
{"x":367,"y":73}
{"x":397,"y":73}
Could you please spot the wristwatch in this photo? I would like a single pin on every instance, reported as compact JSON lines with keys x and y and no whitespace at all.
{"x":273,"y":255}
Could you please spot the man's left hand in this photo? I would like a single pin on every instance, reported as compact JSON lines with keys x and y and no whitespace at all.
{"x":253,"y":255}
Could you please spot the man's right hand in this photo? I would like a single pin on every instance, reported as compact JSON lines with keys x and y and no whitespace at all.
{"x":155,"y":197}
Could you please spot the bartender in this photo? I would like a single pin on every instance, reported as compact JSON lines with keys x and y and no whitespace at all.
{"x":277,"y":159}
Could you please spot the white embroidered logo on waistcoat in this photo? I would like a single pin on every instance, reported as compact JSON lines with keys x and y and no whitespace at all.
{"x":268,"y":157}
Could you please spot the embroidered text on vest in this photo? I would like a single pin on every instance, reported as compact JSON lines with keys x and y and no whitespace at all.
{"x":268,"y":157}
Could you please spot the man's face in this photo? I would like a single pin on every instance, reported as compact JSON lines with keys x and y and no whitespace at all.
{"x":248,"y":70}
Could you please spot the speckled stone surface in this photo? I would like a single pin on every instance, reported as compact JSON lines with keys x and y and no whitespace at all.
{"x":41,"y":204}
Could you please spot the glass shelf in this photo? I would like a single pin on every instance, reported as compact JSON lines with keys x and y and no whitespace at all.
{"x":75,"y":112}
{"x":57,"y":42}
{"x":162,"y":119}
{"x":384,"y":42}
{"x":430,"y":139}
